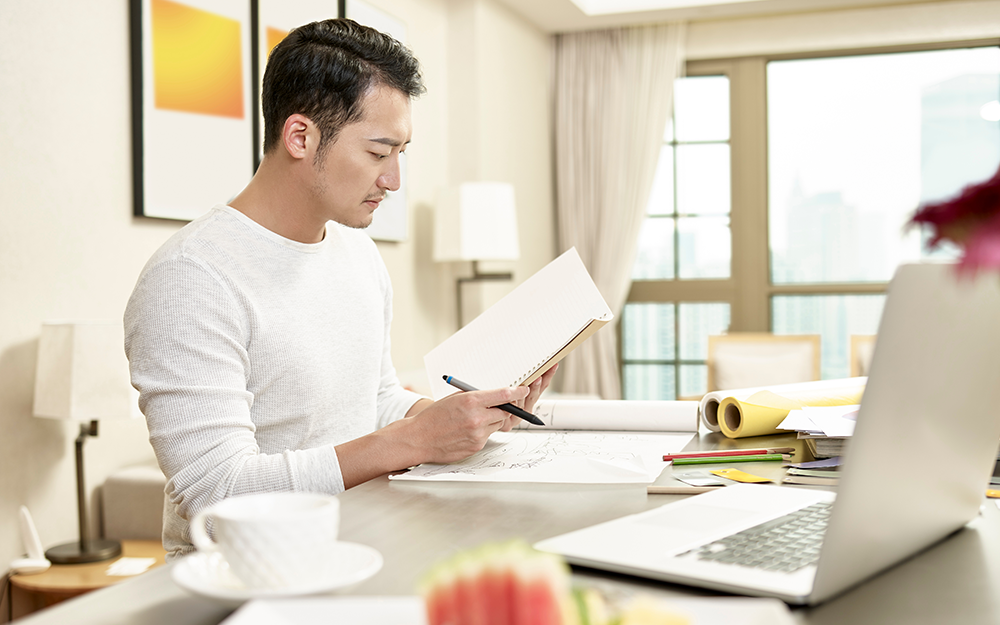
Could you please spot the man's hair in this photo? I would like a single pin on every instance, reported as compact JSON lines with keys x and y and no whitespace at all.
{"x":323,"y":69}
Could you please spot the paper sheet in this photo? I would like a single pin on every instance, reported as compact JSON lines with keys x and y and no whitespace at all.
{"x":616,"y":415}
{"x":410,"y":610}
{"x":130,"y":566}
{"x":401,"y":610}
{"x":709,"y":406}
{"x":834,"y":421}
{"x":560,"y":457}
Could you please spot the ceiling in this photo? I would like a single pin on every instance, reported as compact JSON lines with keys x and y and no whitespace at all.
{"x":566,"y":15}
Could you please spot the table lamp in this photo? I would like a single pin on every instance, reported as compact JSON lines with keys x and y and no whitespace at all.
{"x":82,"y":375}
{"x":476,"y":221}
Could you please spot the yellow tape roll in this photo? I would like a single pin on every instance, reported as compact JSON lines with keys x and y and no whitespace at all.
{"x":761,"y":413}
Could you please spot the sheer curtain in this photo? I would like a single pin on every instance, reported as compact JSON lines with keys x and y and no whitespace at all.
{"x":613,"y":95}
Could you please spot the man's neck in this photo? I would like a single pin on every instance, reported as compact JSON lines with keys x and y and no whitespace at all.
{"x":274,"y":199}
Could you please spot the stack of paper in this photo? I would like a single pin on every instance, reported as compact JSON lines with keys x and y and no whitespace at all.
{"x":826,"y":429}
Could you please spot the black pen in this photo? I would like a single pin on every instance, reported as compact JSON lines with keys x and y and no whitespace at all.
{"x":511,"y":408}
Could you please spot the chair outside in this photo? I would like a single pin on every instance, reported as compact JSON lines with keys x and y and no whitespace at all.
{"x":861,"y":350}
{"x":751,"y":359}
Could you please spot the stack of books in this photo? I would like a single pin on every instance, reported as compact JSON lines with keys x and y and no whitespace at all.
{"x":827,"y":476}
{"x":825,"y":446}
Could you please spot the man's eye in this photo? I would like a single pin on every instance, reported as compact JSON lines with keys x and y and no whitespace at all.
{"x":380,"y":156}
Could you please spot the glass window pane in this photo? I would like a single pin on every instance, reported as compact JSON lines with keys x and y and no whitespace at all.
{"x":648,"y":332}
{"x":649,"y":382}
{"x":695,"y":323}
{"x":704,"y":247}
{"x":856,"y":144}
{"x":834,"y":317}
{"x":661,"y":197}
{"x":693,"y":380}
{"x":655,"y":257}
{"x":703,"y":179}
{"x":701,"y":108}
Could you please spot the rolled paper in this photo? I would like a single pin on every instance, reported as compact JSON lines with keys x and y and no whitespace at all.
{"x":709,"y":408}
{"x":762,"y":412}
{"x":610,"y":414}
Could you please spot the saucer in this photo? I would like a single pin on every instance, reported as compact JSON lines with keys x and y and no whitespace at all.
{"x":208,"y":575}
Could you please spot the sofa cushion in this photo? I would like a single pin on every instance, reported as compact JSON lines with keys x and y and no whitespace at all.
{"x":132,"y":503}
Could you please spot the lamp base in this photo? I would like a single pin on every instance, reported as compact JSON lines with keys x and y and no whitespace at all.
{"x":71,"y":553}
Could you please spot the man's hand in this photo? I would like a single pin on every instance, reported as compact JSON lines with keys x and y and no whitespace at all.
{"x":535,"y":390}
{"x":458,"y":425}
{"x":448,"y":430}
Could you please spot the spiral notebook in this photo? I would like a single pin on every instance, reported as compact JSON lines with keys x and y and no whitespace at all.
{"x":524,"y":334}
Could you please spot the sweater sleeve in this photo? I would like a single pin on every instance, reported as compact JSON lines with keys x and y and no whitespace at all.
{"x":393,"y":399}
{"x":185,"y":337}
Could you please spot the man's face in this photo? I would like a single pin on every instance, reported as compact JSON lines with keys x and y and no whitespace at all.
{"x":362,"y":164}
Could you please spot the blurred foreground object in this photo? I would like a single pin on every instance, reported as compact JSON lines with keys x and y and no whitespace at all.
{"x":512,"y":584}
{"x":970,"y":220}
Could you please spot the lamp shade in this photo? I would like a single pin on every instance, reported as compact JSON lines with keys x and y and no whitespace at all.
{"x":82,"y":372}
{"x":477,"y":221}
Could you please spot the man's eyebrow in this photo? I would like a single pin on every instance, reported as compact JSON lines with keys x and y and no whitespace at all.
{"x":389,"y":142}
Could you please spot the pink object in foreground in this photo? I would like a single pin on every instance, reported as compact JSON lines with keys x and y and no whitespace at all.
{"x":971,"y":220}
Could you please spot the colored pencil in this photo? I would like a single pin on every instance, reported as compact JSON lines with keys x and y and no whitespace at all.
{"x":730,"y":452}
{"x":724,"y":459}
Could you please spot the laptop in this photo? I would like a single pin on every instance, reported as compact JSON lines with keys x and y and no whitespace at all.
{"x":916,"y":469}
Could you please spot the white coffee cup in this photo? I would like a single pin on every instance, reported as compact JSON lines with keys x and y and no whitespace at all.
{"x":273,"y":540}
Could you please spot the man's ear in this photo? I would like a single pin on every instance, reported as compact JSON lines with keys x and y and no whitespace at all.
{"x":300,"y":136}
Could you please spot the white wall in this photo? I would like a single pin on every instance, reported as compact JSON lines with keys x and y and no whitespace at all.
{"x":897,"y":25}
{"x":69,"y":247}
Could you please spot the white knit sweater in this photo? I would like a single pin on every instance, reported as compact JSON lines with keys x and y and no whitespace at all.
{"x":254,"y":355}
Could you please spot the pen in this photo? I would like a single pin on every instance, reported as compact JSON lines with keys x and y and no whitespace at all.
{"x":729,"y":452}
{"x":720,"y":459}
{"x":511,"y":408}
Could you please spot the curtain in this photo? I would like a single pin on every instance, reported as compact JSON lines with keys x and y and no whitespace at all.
{"x":613,"y":96}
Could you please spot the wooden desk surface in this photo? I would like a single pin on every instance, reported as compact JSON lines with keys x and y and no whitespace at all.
{"x":414,"y":524}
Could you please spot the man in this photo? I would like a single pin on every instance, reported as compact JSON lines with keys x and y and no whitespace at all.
{"x":258,"y":335}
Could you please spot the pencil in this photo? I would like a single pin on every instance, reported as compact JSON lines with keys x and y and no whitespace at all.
{"x":510,"y":408}
{"x":729,"y":452}
{"x":721,"y":459}
{"x":679,"y":490}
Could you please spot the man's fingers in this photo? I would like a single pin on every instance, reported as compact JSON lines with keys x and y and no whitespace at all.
{"x":495,"y":397}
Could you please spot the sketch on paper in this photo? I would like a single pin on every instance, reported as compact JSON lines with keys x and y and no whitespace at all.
{"x":560,"y":457}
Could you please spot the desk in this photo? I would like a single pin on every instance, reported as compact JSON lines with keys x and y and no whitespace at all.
{"x":30,"y":593}
{"x":415,"y":524}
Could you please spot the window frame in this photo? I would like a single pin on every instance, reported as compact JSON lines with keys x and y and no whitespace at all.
{"x":749,"y":290}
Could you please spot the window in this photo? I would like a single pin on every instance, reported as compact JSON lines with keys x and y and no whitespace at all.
{"x":686,"y":235}
{"x":855,"y":144}
{"x":827,"y":159}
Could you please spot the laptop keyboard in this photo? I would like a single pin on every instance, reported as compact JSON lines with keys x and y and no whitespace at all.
{"x":784,"y":544}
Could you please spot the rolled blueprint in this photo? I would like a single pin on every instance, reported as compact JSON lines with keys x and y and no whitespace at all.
{"x":709,"y":408}
{"x":621,"y":415}
{"x":758,"y":412}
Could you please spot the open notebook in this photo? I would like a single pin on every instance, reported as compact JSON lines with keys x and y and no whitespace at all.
{"x":524,"y":334}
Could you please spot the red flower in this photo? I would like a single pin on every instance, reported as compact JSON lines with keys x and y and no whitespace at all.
{"x":971,"y":220}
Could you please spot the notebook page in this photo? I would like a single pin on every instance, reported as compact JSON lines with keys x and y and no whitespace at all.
{"x":511,"y":339}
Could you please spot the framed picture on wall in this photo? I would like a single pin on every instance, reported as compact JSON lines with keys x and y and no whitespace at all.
{"x":390,"y":220}
{"x":274,"y":20}
{"x":192,"y":118}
